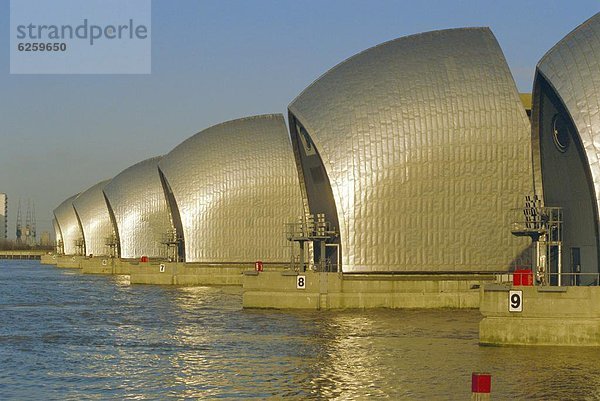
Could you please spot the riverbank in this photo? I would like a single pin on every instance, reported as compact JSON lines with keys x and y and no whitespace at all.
{"x":23,"y":254}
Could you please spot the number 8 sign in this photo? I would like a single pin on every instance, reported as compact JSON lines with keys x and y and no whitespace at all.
{"x":515,"y":301}
{"x":300,"y":282}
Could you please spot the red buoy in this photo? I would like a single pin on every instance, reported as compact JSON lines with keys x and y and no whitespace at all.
{"x":481,"y":386}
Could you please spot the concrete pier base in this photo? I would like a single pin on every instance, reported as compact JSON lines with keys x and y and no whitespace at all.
{"x":550,"y":316}
{"x":280,"y":290}
{"x":49,"y":259}
{"x":105,"y":265}
{"x":69,"y":262}
{"x":190,"y":273}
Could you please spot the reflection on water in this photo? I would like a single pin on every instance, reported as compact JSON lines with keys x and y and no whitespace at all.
{"x":65,"y":336}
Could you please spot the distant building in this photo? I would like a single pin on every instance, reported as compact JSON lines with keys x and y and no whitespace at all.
{"x":3,"y":216}
{"x":45,"y":239}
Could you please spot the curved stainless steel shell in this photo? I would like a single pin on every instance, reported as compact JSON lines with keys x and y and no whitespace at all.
{"x":426,"y":147}
{"x":57,"y":236}
{"x":572,"y":68}
{"x":566,"y":139}
{"x":137,"y":201}
{"x":94,"y":217}
{"x":70,"y":229}
{"x":235,"y":185}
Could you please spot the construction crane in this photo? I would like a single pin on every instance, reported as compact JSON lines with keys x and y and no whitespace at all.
{"x":27,"y":234}
{"x":33,"y":225}
{"x":30,"y":234}
{"x":19,"y":226}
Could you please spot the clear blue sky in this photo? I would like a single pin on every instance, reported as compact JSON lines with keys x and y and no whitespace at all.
{"x":215,"y":60}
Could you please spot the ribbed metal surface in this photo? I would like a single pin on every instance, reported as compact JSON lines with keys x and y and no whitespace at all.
{"x":236,"y":185}
{"x":572,"y":68}
{"x":57,"y":234}
{"x":137,"y":200}
{"x":70,"y":229}
{"x":427,"y":147}
{"x":95,"y":221}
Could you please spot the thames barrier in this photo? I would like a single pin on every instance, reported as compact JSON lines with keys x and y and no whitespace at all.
{"x":411,"y":175}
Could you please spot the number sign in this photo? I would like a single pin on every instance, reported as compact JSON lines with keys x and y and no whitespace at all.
{"x":515,"y":301}
{"x":301,"y":282}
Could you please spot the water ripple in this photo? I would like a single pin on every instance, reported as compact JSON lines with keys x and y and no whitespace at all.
{"x":65,"y":336}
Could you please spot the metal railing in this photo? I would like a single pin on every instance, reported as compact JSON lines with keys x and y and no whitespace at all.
{"x":316,"y":235}
{"x":295,"y":230}
{"x":538,"y":220}
{"x":575,"y":279}
{"x":308,"y":229}
{"x":328,"y":266}
{"x":551,"y":279}
{"x":110,"y":241}
{"x":79,"y":247}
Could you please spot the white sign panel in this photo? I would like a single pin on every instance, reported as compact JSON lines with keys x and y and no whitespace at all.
{"x":301,"y":282}
{"x":515,"y":301}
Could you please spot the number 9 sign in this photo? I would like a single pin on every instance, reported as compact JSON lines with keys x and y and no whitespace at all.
{"x":515,"y":301}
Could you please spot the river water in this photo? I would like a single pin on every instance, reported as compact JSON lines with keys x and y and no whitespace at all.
{"x":68,"y":336}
